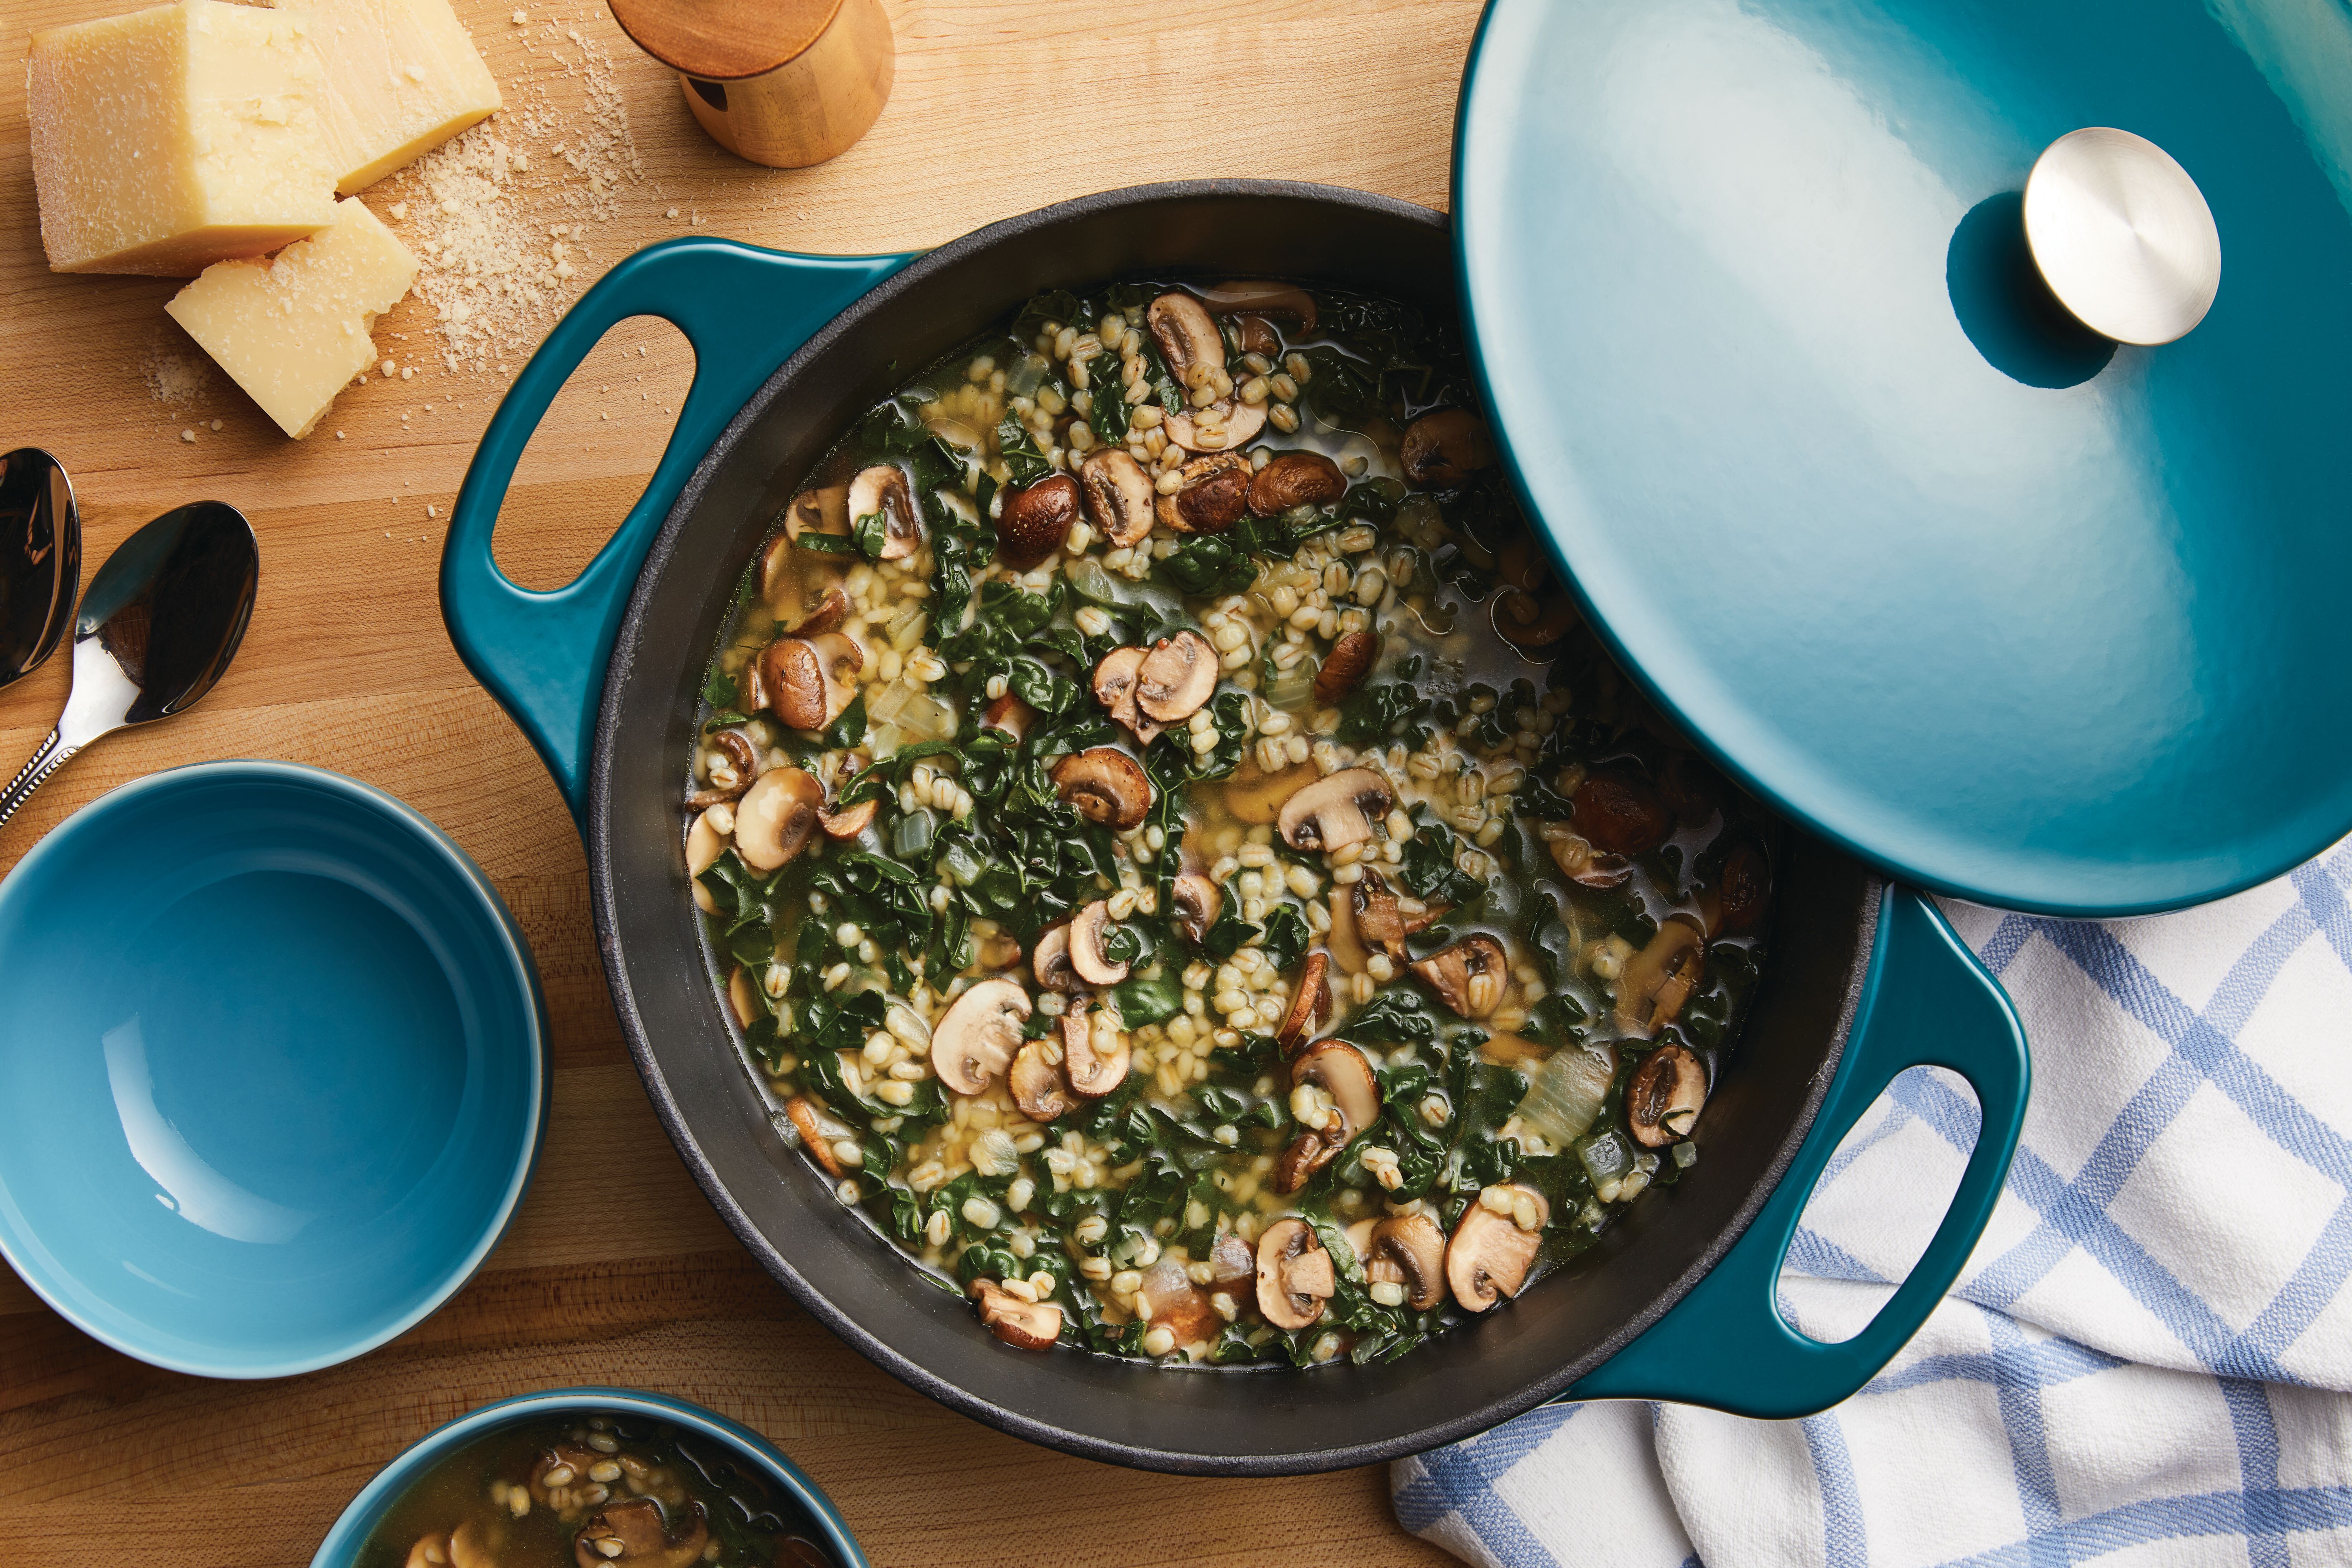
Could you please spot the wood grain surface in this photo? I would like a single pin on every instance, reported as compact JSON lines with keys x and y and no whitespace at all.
{"x":617,"y":1272}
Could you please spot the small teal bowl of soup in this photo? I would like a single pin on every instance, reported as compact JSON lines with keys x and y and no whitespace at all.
{"x":575,"y":1478}
{"x":273,"y":1059}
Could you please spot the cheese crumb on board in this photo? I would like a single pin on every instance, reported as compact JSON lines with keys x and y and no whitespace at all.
{"x":293,"y":331}
{"x":403,"y":78}
{"x":175,"y":137}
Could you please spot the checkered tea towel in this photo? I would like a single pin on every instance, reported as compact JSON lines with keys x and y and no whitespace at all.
{"x":2147,"y":1360}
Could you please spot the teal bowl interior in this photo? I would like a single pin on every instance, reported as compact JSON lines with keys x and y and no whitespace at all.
{"x":273,"y":1064}
{"x":796,"y":1501}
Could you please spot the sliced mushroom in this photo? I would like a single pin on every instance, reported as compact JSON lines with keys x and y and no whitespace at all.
{"x":1090,"y":929}
{"x":1224,"y":427}
{"x":807,"y":678}
{"x":1010,"y":714}
{"x":1176,"y":677}
{"x":809,"y":1122}
{"x":1294,"y":1277}
{"x":1345,"y":942}
{"x":1295,"y":479}
{"x":1259,"y":298}
{"x":1621,"y":814}
{"x":1659,"y":979}
{"x":560,"y":1465}
{"x":1096,"y":1052}
{"x":1257,"y":797}
{"x":1663,"y":1099}
{"x":1168,"y":1298}
{"x":1024,"y":1325}
{"x":1341,"y":1071}
{"x":1444,"y":448}
{"x":976,"y":1039}
{"x":1743,"y":890}
{"x":1194,"y":902}
{"x":1407,"y":1250}
{"x":882,"y":488}
{"x":1345,"y":667}
{"x":1186,"y":334}
{"x":468,"y":1549}
{"x":1035,"y":521}
{"x":704,"y":845}
{"x":1114,"y":684}
{"x":1310,"y":1004}
{"x":830,"y":612}
{"x":849,"y":824}
{"x":743,"y":762}
{"x":1036,"y":1084}
{"x":822,"y":509}
{"x":643,"y":1535}
{"x":1213,"y":496}
{"x":1051,"y":959}
{"x":1336,"y":812}
{"x":1375,"y":916}
{"x":1105,"y":784}
{"x":1471,"y":976}
{"x":1306,"y":1154}
{"x":1490,"y":1255}
{"x":1117,"y":495}
{"x":1580,"y":862}
{"x":776,"y":816}
{"x":1530,"y":620}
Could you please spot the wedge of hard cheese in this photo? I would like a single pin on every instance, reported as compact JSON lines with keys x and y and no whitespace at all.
{"x":293,"y":331}
{"x":403,"y":78}
{"x":169,"y":139}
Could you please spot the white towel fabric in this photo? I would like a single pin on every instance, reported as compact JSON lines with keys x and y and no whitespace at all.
{"x":2147,"y":1360}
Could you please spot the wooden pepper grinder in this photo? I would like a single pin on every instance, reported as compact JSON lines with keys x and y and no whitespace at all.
{"x":783,"y":82}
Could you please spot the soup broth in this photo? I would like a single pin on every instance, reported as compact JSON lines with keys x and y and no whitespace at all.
{"x":1176,"y":858}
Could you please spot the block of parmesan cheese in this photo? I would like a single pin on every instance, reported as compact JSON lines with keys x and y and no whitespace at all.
{"x":169,"y":139}
{"x":293,"y":331}
{"x":401,"y":77}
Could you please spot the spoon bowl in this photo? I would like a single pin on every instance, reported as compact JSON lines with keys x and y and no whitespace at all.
{"x":40,"y":559}
{"x":162,"y":619}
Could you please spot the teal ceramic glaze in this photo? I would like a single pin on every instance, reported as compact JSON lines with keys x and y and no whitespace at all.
{"x":817,"y":1516}
{"x":273,"y":1055}
{"x":2015,"y":613}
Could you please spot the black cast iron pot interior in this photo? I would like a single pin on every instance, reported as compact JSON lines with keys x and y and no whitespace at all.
{"x":1259,"y":1422}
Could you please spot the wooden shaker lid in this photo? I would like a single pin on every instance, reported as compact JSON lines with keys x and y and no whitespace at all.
{"x":724,"y":40}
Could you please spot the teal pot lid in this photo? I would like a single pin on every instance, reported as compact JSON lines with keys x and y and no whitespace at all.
{"x":2017,"y":612}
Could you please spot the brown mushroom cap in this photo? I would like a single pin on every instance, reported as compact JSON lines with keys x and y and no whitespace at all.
{"x":1531,"y":620}
{"x":1024,"y":1325}
{"x":1036,"y":519}
{"x":820,"y":508}
{"x":1256,"y":297}
{"x":1114,"y":686}
{"x":1089,"y":930}
{"x":1117,"y":495}
{"x":1176,"y":677}
{"x":1093,"y":1072}
{"x":1341,"y":1071}
{"x":1193,"y":902}
{"x":1344,"y":667}
{"x":1664,"y":1098}
{"x":1444,"y":448}
{"x":807,"y":678}
{"x":827,"y":616}
{"x":1310,"y":1002}
{"x":808,"y":1121}
{"x":1743,"y":890}
{"x":882,"y":488}
{"x":1656,"y":980}
{"x":1050,"y":960}
{"x":1306,"y":1154}
{"x":977,"y":1037}
{"x":1186,"y":333}
{"x":776,"y":816}
{"x":1335,"y":812}
{"x":1236,"y":427}
{"x":1621,"y":814}
{"x":1105,"y":784}
{"x":1472,"y":976}
{"x":1295,"y":479}
{"x":1294,"y":1277}
{"x":1010,"y":714}
{"x":1490,"y":1255}
{"x":849,"y":824}
{"x":1408,"y":1250}
{"x":644,"y":1538}
{"x":1036,"y":1084}
{"x":1257,"y":797}
{"x":1214,"y":495}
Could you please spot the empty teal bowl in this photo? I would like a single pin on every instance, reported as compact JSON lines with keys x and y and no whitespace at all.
{"x":273,"y":1069}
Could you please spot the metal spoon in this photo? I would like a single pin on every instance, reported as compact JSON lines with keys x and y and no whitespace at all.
{"x":162,"y":620}
{"x":40,"y":559}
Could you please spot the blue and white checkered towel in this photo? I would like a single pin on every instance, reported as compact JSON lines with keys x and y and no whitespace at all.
{"x":2147,"y":1362}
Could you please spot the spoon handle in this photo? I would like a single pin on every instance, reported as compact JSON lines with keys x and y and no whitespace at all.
{"x":30,"y":777}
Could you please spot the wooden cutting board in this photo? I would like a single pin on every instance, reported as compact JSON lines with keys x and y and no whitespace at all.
{"x":617,"y":1272}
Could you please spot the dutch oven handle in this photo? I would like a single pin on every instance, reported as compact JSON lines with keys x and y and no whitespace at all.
{"x":744,"y":311}
{"x":1926,"y":1002}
